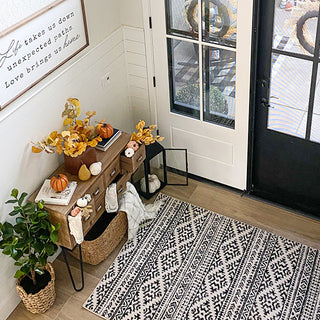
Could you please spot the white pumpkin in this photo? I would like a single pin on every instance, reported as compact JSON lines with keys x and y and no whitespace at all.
{"x":95,"y":168}
{"x":129,"y":152}
{"x":82,"y":202}
{"x":87,"y":196}
{"x":154,"y":183}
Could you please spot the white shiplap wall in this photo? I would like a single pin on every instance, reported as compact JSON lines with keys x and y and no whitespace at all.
{"x":123,"y":103}
{"x":38,"y":112}
{"x":135,"y":52}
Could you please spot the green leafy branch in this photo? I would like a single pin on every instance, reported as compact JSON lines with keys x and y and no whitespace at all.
{"x":32,"y":239}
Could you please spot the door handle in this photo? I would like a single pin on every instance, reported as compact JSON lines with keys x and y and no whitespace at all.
{"x":265,"y":103}
{"x":264,"y":83}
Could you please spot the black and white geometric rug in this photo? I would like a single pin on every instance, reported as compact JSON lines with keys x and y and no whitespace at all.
{"x":191,"y":263}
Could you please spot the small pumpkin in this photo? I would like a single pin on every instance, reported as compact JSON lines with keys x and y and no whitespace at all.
{"x":82,"y":202}
{"x":95,"y":168}
{"x":129,"y":152}
{"x":75,"y":211}
{"x":154,"y":183}
{"x":106,"y":131}
{"x":133,"y":145}
{"x":87,"y":196}
{"x":59,"y":182}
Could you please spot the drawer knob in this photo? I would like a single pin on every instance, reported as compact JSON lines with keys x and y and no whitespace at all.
{"x":96,"y":192}
{"x":86,"y":218}
{"x":120,"y":189}
{"x":99,"y":208}
{"x":140,"y":158}
{"x":113,"y":172}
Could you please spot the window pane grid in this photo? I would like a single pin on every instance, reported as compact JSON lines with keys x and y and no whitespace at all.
{"x":184,"y":77}
{"x":202,"y":85}
{"x":294,"y":93}
{"x":219,"y":86}
{"x":220,"y":21}
{"x":202,"y":43}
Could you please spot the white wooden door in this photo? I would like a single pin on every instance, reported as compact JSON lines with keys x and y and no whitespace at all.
{"x":203,"y":83}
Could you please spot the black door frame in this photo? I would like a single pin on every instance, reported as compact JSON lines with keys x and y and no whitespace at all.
{"x":253,"y":80}
{"x":256,"y":45}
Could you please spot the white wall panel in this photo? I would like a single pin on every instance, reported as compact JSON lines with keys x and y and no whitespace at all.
{"x":138,"y":82}
{"x":116,"y":50}
{"x":136,"y":59}
{"x":38,"y":112}
{"x":134,"y":42}
{"x":134,"y":34}
{"x":137,"y":70}
{"x":135,"y":46}
{"x":131,"y":13}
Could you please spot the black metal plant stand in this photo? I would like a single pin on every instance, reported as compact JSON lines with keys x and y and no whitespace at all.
{"x":69,"y":270}
{"x":153,"y":150}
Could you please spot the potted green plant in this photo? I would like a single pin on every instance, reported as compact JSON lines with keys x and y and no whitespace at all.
{"x":30,"y":241}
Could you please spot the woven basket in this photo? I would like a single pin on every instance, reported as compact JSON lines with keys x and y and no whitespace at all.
{"x":42,"y":300}
{"x":97,"y":250}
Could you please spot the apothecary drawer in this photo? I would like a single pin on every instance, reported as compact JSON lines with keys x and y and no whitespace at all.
{"x":96,"y":189}
{"x":112,"y":171}
{"x":86,"y":221}
{"x":131,"y":164}
{"x":122,"y":184}
{"x":97,"y":207}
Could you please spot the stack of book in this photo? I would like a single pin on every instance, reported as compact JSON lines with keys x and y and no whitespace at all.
{"x":106,"y":143}
{"x":49,"y":196}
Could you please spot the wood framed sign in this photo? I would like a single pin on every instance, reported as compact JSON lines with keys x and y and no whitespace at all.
{"x":37,"y":45}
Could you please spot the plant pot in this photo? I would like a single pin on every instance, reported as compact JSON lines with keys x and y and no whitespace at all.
{"x":41,"y":301}
{"x":73,"y":164}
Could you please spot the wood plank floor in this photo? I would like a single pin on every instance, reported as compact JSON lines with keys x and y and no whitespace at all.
{"x":229,"y":203}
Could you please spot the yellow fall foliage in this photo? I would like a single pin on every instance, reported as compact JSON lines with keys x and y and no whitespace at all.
{"x":67,"y":121}
{"x":36,"y":150}
{"x":144,"y":134}
{"x":76,"y":138}
{"x":74,"y":101}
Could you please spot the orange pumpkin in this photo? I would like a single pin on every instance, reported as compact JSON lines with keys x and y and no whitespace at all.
{"x":59,"y":183}
{"x":106,"y":131}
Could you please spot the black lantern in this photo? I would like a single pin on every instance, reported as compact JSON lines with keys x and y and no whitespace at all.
{"x":153,"y":150}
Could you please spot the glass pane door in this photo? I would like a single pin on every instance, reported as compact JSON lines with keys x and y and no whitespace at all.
{"x":285,"y":164}
{"x":219,"y":86}
{"x":220,"y":22}
{"x":202,"y":66}
{"x":294,"y":70}
{"x":184,"y":77}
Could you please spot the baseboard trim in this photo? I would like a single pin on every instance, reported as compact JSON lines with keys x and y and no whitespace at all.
{"x":243,"y":193}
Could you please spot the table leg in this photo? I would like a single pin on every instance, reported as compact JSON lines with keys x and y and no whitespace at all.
{"x":69,"y":270}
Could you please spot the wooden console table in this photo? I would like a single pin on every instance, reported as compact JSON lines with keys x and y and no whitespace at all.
{"x":115,"y":167}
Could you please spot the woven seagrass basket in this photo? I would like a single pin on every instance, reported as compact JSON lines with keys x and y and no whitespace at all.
{"x":97,"y":250}
{"x":42,"y":300}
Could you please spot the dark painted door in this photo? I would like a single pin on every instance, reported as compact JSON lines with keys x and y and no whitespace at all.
{"x":286,"y":150}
